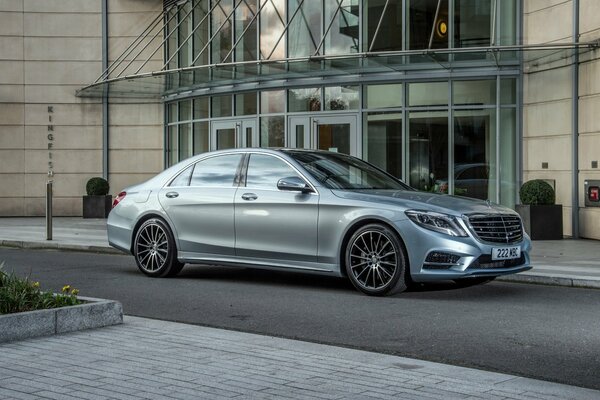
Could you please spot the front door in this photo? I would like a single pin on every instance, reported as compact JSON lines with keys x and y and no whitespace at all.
{"x":233,"y":134}
{"x":333,"y":133}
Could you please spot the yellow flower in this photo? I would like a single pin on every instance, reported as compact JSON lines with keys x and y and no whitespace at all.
{"x":75,"y":292}
{"x":66,"y":288}
{"x":36,"y":285}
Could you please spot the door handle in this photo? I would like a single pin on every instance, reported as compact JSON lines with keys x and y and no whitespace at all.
{"x":249,"y":196}
{"x":172,"y":195}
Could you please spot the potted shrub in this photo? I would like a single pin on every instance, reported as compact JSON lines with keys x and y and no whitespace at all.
{"x":542,"y":219}
{"x":97,"y":203}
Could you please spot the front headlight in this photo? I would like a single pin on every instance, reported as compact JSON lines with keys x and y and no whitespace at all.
{"x":437,"y":222}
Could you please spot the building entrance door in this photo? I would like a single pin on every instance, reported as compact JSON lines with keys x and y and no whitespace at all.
{"x":233,"y":134}
{"x":333,"y":133}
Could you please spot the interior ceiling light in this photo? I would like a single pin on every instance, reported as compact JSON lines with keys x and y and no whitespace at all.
{"x":441,"y":28}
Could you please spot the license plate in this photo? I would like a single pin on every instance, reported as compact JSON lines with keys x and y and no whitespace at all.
{"x":506,"y":253}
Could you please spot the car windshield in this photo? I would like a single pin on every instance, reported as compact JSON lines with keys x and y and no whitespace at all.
{"x":339,"y":171}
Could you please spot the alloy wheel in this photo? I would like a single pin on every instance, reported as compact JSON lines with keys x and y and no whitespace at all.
{"x":152,"y":247}
{"x":373,"y":259}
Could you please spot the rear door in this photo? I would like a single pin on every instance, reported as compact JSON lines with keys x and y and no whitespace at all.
{"x":202,"y":211}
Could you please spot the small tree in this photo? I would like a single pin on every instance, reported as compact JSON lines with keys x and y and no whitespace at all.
{"x":537,"y":192}
{"x":97,"y":187}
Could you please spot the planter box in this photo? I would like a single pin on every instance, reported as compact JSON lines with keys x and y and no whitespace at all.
{"x":97,"y":206}
{"x":542,"y":222}
{"x":95,"y":313}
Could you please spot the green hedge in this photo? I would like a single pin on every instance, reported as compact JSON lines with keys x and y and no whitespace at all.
{"x":97,"y":187}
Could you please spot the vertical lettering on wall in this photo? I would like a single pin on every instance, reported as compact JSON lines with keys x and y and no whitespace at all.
{"x":50,"y":139}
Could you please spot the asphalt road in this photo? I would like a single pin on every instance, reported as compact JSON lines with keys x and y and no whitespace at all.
{"x":543,"y":332}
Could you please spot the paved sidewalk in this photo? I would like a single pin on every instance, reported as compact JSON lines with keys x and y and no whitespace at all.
{"x":150,"y":359}
{"x":555,"y":262}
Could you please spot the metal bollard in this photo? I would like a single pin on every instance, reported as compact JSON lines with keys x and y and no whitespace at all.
{"x":49,"y":210}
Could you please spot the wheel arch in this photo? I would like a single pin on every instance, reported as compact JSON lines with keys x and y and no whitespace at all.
{"x":147,"y":217}
{"x":359,"y":224}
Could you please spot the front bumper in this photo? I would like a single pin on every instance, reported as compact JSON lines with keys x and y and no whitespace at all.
{"x":471,"y":258}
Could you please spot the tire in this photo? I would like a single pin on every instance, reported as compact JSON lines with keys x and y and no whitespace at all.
{"x":376,"y":261}
{"x":466,"y":282}
{"x":155,"y":251}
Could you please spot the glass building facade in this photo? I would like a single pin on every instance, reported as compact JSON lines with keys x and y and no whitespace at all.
{"x":408,"y":85}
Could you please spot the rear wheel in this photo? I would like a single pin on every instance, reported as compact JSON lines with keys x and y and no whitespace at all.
{"x":155,"y":251}
{"x":376,"y":261}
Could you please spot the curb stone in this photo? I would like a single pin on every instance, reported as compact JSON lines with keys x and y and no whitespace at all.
{"x":95,"y":313}
{"x":59,"y":246}
{"x":551,"y":281}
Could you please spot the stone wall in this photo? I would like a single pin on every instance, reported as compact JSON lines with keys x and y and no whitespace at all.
{"x":49,"y":49}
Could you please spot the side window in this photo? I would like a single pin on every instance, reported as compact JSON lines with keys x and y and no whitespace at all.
{"x":265,"y":171}
{"x":183,"y":179}
{"x":216,"y":171}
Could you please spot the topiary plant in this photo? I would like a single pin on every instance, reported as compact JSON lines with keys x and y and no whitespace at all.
{"x":97,"y":187}
{"x":537,"y":192}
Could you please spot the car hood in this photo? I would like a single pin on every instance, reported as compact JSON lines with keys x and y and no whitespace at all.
{"x":443,"y":203}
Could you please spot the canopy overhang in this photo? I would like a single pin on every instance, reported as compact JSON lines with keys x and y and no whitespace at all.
{"x":305,"y":71}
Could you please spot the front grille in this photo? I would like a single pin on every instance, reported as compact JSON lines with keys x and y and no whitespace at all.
{"x":497,"y":228}
{"x":486,"y":262}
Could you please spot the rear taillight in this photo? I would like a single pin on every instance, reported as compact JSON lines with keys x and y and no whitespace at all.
{"x":118,"y":199}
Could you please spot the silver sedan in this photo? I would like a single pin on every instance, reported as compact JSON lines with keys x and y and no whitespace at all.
{"x":313,"y":211}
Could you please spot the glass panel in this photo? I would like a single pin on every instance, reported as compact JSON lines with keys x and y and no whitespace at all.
{"x":428,"y":94}
{"x":245,"y":104}
{"x":172,"y":112}
{"x":299,"y":136}
{"x":272,"y":101}
{"x":185,"y":29}
{"x":305,"y":29}
{"x":272,"y":131}
{"x":272,"y":25}
{"x":247,"y":48}
{"x":507,"y":22}
{"x":225,"y":138}
{"x":508,"y":91}
{"x":334,"y":137}
{"x":249,"y":137}
{"x":221,"y":43}
{"x":474,"y":92}
{"x":221,"y":106}
{"x":389,"y":36}
{"x":185,"y":139}
{"x":304,"y":100}
{"x":200,"y":137}
{"x":341,"y":98}
{"x":423,"y":21}
{"x":382,"y":142}
{"x":383,"y":96}
{"x":472,"y":23}
{"x":172,"y":37}
{"x":172,"y":152}
{"x":201,"y":107}
{"x":202,"y":33}
{"x":185,"y":110}
{"x":216,"y":171}
{"x":183,"y":179}
{"x":508,"y":162}
{"x":475,"y":154}
{"x":265,"y":171}
{"x":342,"y":37}
{"x":428,"y":151}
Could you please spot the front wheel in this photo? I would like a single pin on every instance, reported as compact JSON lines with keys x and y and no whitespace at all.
{"x":155,"y":251}
{"x":376,"y":261}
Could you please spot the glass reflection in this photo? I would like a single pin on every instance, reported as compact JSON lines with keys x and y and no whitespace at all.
{"x":222,"y":31}
{"x":200,"y":137}
{"x":342,"y":19}
{"x":472,"y":23}
{"x":304,"y":99}
{"x":389,"y":35}
{"x":305,"y":28}
{"x":428,"y":151}
{"x":265,"y":171}
{"x":382,"y":142}
{"x":201,"y":33}
{"x":341,"y":98}
{"x":246,"y":25}
{"x":272,"y":131}
{"x":272,"y":25}
{"x":216,"y":171}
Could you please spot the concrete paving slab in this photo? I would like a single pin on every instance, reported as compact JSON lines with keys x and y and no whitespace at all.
{"x":146,"y":358}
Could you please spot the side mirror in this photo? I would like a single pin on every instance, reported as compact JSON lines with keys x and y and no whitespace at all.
{"x":293,"y":184}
